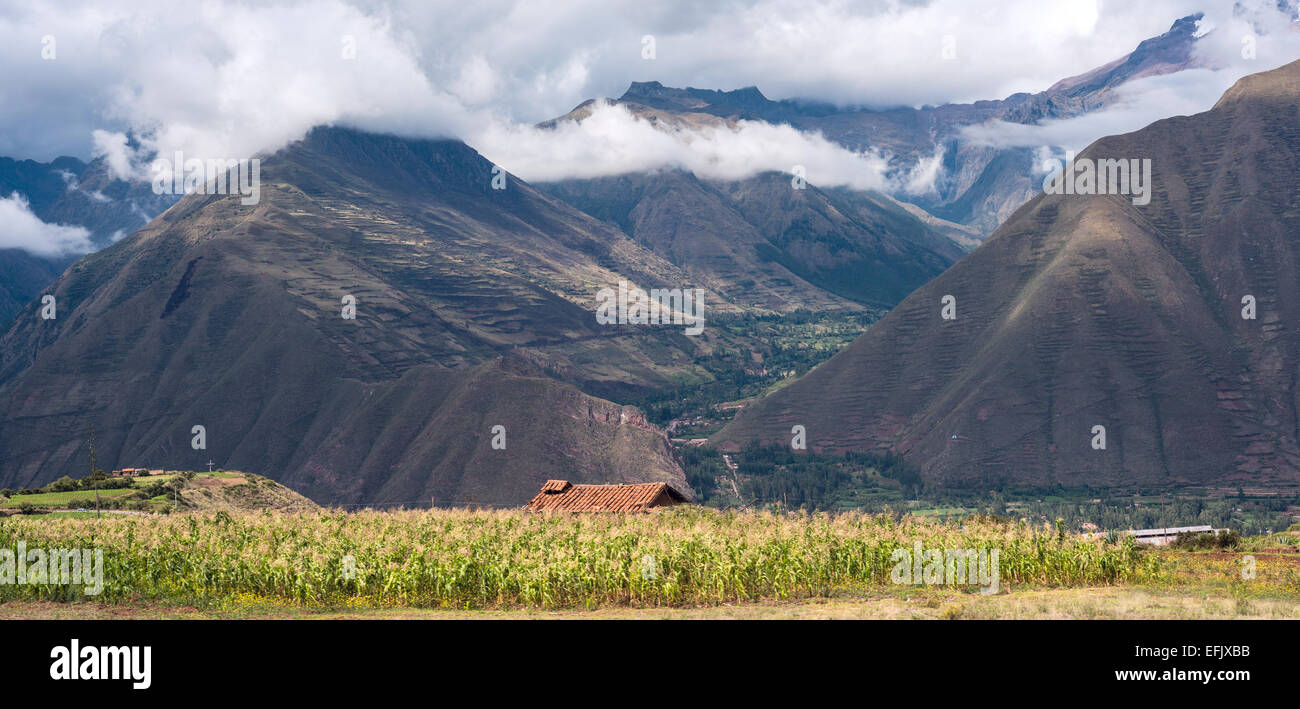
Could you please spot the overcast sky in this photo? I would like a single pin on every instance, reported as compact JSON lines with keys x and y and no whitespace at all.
{"x":233,"y":79}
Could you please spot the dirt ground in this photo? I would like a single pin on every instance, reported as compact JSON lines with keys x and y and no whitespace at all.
{"x":1114,"y":602}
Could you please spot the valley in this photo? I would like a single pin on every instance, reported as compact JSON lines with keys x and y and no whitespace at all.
{"x":424,"y":310}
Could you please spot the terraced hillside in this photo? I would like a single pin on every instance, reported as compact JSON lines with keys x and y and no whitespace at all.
{"x":1083,"y":311}
{"x":230,"y":317}
{"x":760,"y":242}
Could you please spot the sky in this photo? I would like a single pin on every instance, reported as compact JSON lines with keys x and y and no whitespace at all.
{"x":232,"y":79}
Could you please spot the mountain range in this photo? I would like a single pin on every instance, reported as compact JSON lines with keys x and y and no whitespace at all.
{"x":782,"y":263}
{"x":979,"y":185}
{"x":67,"y":191}
{"x":474,"y":369}
{"x":764,"y":245}
{"x":1166,"y":324}
{"x":231,"y":317}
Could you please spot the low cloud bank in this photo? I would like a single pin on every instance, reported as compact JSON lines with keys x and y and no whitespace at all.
{"x":24,"y":230}
{"x":613,"y":141}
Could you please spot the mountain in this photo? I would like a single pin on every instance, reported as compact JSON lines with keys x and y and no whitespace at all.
{"x":470,"y":302}
{"x":1086,"y":311}
{"x":979,"y":186}
{"x":22,"y":276}
{"x":70,"y":192}
{"x":762,"y":243}
{"x":1168,"y":53}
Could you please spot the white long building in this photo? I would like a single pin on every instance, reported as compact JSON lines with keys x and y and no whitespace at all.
{"x":1165,"y":535}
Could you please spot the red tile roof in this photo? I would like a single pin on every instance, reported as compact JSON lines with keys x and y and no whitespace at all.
{"x":635,"y":497}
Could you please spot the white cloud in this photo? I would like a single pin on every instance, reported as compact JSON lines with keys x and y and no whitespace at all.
{"x":921,"y":178}
{"x":1141,"y":102}
{"x":24,"y":230}
{"x":230,"y":79}
{"x":1273,"y":36}
{"x":613,"y":141}
{"x":222,"y":79}
{"x":114,"y":148}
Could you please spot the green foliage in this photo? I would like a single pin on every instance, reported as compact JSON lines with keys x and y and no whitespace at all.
{"x":1109,"y":510}
{"x":810,"y":481}
{"x":703,"y":468}
{"x":777,"y":475}
{"x":754,"y":353}
{"x":63,"y":484}
{"x":1206,"y":540}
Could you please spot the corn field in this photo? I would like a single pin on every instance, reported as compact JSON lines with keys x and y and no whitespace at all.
{"x":477,"y":559}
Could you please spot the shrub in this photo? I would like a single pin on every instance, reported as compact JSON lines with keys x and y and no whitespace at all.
{"x":1206,"y":540}
{"x":63,"y":484}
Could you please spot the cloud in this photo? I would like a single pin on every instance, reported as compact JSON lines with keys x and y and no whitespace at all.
{"x":24,"y":230}
{"x":1251,"y":38}
{"x":116,"y":152}
{"x":217,"y":80}
{"x":922,"y":177}
{"x":1140,"y":103}
{"x":612,"y":141}
{"x":231,"y":79}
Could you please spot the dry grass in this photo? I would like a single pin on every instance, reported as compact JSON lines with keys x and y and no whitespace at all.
{"x":1120,"y":603}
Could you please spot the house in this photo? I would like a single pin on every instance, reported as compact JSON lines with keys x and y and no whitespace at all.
{"x":130,"y":472}
{"x":633,"y":497}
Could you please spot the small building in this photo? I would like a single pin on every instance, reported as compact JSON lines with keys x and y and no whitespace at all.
{"x":1165,"y":535}
{"x":633,"y":497}
{"x":130,"y":472}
